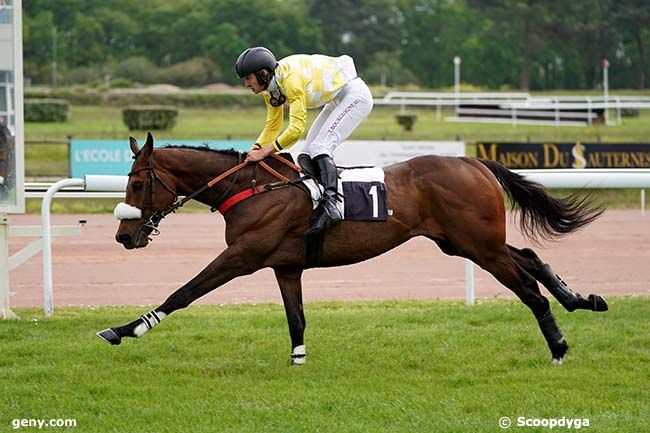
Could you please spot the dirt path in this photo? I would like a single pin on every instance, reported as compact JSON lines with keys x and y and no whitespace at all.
{"x":611,"y":256}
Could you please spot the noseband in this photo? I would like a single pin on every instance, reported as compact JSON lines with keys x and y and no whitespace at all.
{"x":150,"y":195}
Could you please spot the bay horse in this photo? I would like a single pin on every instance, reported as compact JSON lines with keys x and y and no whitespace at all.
{"x":457,"y":202}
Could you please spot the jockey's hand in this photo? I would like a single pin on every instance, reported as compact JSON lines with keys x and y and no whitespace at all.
{"x":259,"y":154}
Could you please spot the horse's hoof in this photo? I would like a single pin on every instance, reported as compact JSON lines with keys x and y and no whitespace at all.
{"x":558,"y":350}
{"x":598,"y":303}
{"x":110,"y":336}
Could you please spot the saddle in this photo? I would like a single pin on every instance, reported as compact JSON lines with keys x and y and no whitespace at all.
{"x":362,"y":191}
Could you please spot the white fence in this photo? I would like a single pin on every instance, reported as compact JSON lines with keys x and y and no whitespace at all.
{"x":519,"y":108}
{"x":88,"y":187}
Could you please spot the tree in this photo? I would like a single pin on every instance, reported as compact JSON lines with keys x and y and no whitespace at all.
{"x":633,"y":17}
{"x":359,"y":28}
{"x":526,"y":19}
{"x":223,"y":46}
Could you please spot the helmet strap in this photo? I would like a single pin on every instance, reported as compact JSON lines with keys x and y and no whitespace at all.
{"x":277,"y":98}
{"x":263,"y":79}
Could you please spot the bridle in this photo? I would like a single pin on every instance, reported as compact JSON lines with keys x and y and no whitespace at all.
{"x":156,"y":216}
{"x":153,"y":176}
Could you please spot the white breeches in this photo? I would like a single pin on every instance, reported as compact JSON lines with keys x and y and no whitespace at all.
{"x":339,"y":118}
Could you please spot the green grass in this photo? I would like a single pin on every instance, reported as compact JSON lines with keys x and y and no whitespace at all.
{"x":215,"y":124}
{"x":372,"y":367}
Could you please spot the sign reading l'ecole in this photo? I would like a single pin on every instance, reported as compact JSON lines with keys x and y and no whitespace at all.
{"x":566,"y":155}
{"x":114,"y":157}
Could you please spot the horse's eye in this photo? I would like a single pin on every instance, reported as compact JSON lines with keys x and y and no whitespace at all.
{"x":137,"y":186}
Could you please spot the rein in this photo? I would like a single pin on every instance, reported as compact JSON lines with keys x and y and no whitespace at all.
{"x":157,"y":217}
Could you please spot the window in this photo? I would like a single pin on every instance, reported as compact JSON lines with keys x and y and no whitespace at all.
{"x":6,"y":14}
{"x":3,"y":99}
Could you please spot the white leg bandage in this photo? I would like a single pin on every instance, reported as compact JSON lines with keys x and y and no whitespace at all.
{"x":298,"y":355}
{"x":149,"y":320}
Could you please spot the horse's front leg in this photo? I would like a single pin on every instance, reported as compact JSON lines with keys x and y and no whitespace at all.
{"x":291,"y":289}
{"x":233,"y":262}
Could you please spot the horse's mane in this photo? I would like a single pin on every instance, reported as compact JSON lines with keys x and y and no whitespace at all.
{"x":205,"y":148}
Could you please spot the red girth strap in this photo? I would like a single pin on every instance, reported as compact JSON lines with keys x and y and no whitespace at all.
{"x":240,"y":196}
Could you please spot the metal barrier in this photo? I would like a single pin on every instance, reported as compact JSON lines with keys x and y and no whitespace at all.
{"x":90,"y":183}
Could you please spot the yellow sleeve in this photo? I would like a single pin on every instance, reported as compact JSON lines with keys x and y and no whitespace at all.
{"x":273,"y":126}
{"x":297,"y":114}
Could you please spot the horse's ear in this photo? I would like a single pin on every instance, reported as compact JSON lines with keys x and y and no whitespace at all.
{"x":134,"y":145}
{"x":147,"y":149}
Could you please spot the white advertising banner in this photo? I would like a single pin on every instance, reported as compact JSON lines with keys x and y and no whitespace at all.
{"x":380,"y":153}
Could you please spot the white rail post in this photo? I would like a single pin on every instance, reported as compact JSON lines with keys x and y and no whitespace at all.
{"x":89,"y":183}
{"x":457,"y":62}
{"x":47,"y":240}
{"x":643,"y":202}
{"x":5,"y":294}
{"x":606,"y":88}
{"x":469,"y":282}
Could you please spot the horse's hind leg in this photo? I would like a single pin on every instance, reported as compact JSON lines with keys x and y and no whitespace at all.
{"x":291,"y":289}
{"x":542,"y":272}
{"x":508,"y":272}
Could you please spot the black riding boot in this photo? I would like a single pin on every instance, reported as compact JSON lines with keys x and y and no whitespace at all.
{"x":328,"y":212}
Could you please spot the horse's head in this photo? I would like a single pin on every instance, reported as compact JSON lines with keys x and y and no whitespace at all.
{"x":150,"y":192}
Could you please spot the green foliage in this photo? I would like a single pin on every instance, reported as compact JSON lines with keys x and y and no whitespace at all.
{"x":407,"y":120}
{"x":416,"y":366}
{"x":630,"y":112}
{"x":149,"y":117}
{"x":122,"y":83}
{"x":119,"y":98}
{"x":191,"y":73}
{"x":46,"y":110}
{"x":385,"y":68}
{"x":503,"y":43}
{"x":139,"y":69}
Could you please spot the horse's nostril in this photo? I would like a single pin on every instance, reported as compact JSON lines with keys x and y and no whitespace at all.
{"x":124,"y":238}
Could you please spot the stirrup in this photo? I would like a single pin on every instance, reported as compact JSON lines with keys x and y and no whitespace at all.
{"x":319,"y":224}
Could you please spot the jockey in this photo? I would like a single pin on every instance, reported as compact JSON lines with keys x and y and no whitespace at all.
{"x":307,"y":81}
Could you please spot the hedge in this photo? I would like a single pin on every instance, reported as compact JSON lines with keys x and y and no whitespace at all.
{"x":149,"y":117}
{"x":127,"y":97}
{"x":46,"y":110}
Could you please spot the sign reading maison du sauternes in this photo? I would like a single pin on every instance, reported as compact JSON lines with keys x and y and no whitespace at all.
{"x":566,"y":155}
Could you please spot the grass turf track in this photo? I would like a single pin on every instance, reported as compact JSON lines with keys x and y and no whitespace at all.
{"x":372,"y":367}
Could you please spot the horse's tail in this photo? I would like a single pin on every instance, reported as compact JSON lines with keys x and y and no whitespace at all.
{"x":541,"y":215}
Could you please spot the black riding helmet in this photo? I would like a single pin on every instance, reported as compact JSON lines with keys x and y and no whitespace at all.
{"x":253,"y":61}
